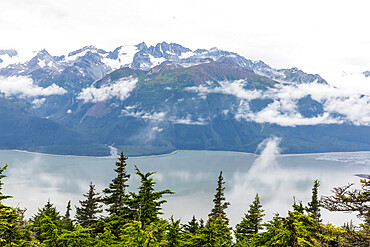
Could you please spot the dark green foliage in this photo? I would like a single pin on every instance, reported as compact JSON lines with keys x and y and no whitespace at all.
{"x":219,"y":201}
{"x":314,"y":206}
{"x":13,"y":230}
{"x":298,"y":207}
{"x":67,"y":222}
{"x":47,"y":231}
{"x":192,"y":226}
{"x":115,"y":223}
{"x":201,"y":224}
{"x":146,"y":204}
{"x":214,"y":233}
{"x":2,"y":196}
{"x":53,"y":219}
{"x":115,"y":194}
{"x":135,"y":235}
{"x":295,"y":230}
{"x":78,"y":237}
{"x":68,"y":211}
{"x":173,"y":235}
{"x":87,"y":213}
{"x":106,"y":239}
{"x":251,"y":222}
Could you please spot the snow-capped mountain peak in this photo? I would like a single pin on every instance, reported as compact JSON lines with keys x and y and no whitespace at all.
{"x":91,"y":63}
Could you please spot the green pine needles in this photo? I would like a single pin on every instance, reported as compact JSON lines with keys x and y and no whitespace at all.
{"x":87,"y":213}
{"x":219,"y":201}
{"x":116,"y":195}
{"x":251,"y":222}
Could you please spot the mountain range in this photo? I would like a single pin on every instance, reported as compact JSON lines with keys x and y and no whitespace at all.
{"x":155,"y":99}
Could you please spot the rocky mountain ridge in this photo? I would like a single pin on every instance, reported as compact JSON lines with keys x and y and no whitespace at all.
{"x":90,"y":63}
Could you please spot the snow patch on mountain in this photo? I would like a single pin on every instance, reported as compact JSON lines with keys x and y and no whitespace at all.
{"x":124,"y":57}
{"x":155,"y":61}
{"x":186,"y":55}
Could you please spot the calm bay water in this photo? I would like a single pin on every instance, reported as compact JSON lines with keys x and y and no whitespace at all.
{"x":34,"y":178}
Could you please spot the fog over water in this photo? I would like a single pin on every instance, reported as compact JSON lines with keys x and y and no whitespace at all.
{"x":34,"y":178}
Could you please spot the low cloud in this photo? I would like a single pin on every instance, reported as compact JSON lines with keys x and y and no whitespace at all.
{"x":120,"y":89}
{"x":235,"y":88}
{"x":25,"y":87}
{"x":147,"y":134}
{"x":38,"y":102}
{"x":153,"y":116}
{"x":187,"y":120}
{"x":157,"y":117}
{"x":340,"y":105}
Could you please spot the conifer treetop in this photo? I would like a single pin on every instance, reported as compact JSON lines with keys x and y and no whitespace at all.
{"x":219,"y":200}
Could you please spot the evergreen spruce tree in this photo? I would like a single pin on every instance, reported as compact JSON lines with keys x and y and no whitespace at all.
{"x":214,"y":233}
{"x":314,"y":206}
{"x":201,"y":223}
{"x":146,"y":204}
{"x":192,"y":232}
{"x":49,"y":210}
{"x":87,"y":213}
{"x":77,"y":238}
{"x":174,"y":236}
{"x":251,"y":222}
{"x":192,"y":226}
{"x":219,"y":201}
{"x":53,"y":218}
{"x":67,"y":222}
{"x":47,"y":231}
{"x":298,"y":207}
{"x":115,"y":194}
{"x":296,"y":229}
{"x":68,"y":210}
{"x":2,"y":196}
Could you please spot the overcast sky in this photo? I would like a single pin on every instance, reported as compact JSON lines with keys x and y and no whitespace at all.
{"x":325,"y":37}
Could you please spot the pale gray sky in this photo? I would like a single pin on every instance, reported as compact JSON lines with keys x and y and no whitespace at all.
{"x":325,"y":37}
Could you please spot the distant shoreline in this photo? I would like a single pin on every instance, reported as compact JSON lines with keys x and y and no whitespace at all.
{"x":175,"y":152}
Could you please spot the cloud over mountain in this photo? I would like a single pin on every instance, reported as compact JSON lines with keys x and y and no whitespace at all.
{"x":339,"y":105}
{"x":120,"y":89}
{"x":25,"y":87}
{"x":168,"y":97}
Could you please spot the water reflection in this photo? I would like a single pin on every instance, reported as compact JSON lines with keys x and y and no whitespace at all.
{"x":33,"y":179}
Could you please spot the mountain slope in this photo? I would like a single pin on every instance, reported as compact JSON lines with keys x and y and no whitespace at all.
{"x":156,"y":99}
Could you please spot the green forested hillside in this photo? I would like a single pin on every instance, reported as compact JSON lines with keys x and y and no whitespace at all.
{"x":208,"y":105}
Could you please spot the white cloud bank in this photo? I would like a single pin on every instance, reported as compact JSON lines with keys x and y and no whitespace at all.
{"x":153,"y":116}
{"x":340,"y":105}
{"x":157,"y":117}
{"x":120,"y":89}
{"x":24,"y":87}
{"x":235,"y":88}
